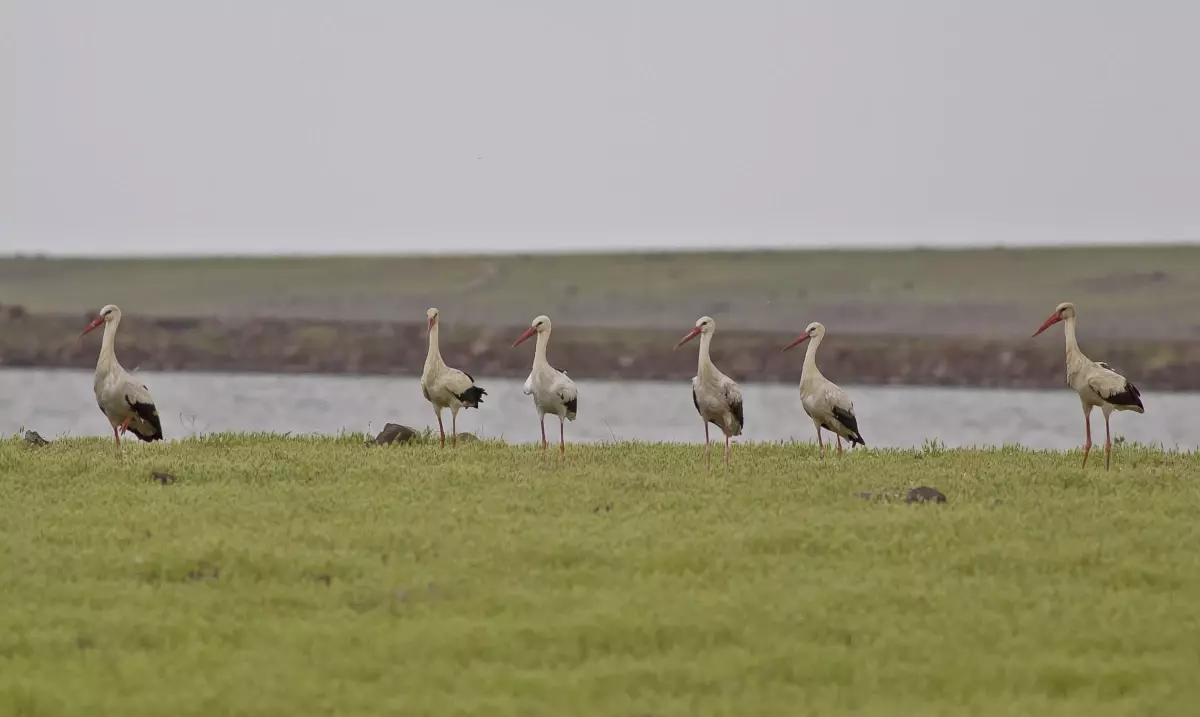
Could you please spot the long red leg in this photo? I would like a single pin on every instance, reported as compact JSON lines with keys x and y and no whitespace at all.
{"x":125,"y":425}
{"x":1107,"y":444}
{"x":453,"y":429}
{"x":117,"y":438}
{"x":441,"y":431}
{"x":839,"y":441}
{"x":820,"y":443}
{"x":1087,"y":446}
{"x":562,"y":442}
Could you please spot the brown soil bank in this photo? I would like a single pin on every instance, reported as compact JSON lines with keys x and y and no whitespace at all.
{"x":373,"y":347}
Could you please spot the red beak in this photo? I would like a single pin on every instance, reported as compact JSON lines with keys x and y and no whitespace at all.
{"x":95,"y":322}
{"x":799,"y":340}
{"x":431,"y":320}
{"x":1054,"y":319}
{"x":695,"y":332}
{"x":521,"y":339}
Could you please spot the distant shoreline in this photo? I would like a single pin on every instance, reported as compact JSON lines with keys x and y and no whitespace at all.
{"x":294,"y":346}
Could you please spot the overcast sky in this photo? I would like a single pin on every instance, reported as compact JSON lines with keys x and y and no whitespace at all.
{"x":155,"y":126}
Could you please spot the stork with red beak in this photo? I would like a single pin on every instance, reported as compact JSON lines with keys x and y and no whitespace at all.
{"x":446,"y":387}
{"x":825,"y":403}
{"x":718,"y":398}
{"x":125,"y":402}
{"x":553,"y":392}
{"x":1094,"y":381}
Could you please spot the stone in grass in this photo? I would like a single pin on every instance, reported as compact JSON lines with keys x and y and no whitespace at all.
{"x":925,"y":494}
{"x":163,"y":478}
{"x":33,"y":439}
{"x":394,"y":433}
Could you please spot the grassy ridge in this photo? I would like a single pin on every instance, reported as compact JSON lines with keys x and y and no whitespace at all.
{"x":314,"y":576}
{"x":1151,"y":292}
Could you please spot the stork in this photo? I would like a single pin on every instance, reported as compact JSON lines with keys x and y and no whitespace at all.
{"x":823,"y":400}
{"x":125,"y":402}
{"x":1095,"y":382}
{"x":718,"y":398}
{"x":446,"y":387}
{"x":552,"y":390}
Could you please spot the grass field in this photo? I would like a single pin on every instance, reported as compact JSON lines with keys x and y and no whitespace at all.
{"x":1150,"y":292}
{"x":322,"y":576}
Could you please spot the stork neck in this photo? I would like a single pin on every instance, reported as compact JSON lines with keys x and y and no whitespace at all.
{"x":539,"y":350}
{"x":108,"y":344}
{"x":434,"y":356}
{"x":705,"y":365}
{"x":1069,"y":330}
{"x":810,"y":358}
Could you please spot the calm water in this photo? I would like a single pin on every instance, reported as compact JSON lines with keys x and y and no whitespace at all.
{"x":60,"y":402}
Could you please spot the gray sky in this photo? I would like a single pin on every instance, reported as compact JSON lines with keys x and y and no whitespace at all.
{"x":153,"y":126}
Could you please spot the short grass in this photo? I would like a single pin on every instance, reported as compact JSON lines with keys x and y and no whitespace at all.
{"x":1144,"y":292}
{"x":321,"y":576}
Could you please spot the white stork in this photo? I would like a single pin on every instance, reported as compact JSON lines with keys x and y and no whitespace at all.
{"x":126,"y":402}
{"x":446,"y":387}
{"x":825,"y":403}
{"x":1094,"y":381}
{"x":718,"y":398}
{"x":552,"y":390}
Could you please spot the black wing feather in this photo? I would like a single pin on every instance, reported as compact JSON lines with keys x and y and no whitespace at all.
{"x":736,"y":407}
{"x":148,"y":413}
{"x":848,"y":420}
{"x":472,"y":397}
{"x":1131,"y":396}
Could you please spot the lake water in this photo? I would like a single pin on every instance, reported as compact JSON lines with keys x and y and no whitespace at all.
{"x":60,"y":402}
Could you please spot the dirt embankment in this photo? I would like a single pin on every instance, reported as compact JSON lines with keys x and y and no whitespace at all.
{"x":296,"y":346}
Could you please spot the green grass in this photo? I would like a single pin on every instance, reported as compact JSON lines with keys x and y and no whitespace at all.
{"x":322,"y":576}
{"x":1151,"y":292}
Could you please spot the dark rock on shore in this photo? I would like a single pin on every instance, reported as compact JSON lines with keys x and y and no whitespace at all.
{"x":394,"y":433}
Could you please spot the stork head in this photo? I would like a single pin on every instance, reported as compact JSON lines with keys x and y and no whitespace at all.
{"x":1065,"y":310}
{"x":107,"y":314}
{"x":540,"y":325}
{"x":815,"y":330}
{"x":432,"y":315}
{"x":704,"y":325}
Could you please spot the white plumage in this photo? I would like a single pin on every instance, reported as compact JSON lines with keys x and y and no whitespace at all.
{"x":1095,"y":382}
{"x":823,"y":400}
{"x":446,"y":387}
{"x":552,"y":390}
{"x":125,"y":401}
{"x":718,"y":398}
